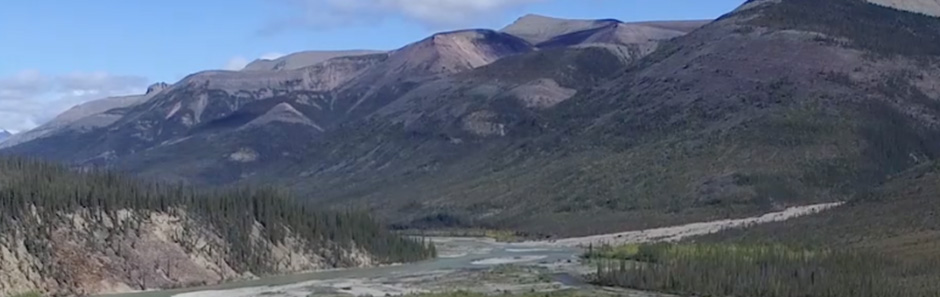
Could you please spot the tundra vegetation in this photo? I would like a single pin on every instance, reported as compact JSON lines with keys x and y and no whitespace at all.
{"x":774,"y":270}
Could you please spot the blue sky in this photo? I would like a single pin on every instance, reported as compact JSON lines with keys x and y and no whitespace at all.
{"x":58,"y":53}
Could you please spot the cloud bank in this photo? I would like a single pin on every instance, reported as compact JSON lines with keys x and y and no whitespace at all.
{"x":238,"y":63}
{"x":433,"y":14}
{"x":30,"y":98}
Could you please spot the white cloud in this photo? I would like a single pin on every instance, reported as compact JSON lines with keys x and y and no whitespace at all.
{"x":236,"y":63}
{"x":434,"y":14}
{"x":29,"y":98}
{"x":271,"y":56}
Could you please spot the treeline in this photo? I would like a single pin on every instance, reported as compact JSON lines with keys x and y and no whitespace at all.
{"x":762,"y":270}
{"x":32,"y":189}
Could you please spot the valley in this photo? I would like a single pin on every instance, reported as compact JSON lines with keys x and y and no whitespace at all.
{"x":475,"y":265}
{"x":785,"y":148}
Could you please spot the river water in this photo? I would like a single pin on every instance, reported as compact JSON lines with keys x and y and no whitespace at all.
{"x":455,"y":254}
{"x":465,"y":259}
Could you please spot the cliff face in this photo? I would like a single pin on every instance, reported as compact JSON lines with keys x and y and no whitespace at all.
{"x":94,"y":252}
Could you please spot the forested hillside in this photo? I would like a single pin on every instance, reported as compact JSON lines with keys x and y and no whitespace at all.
{"x":881,"y":243}
{"x":81,"y":233}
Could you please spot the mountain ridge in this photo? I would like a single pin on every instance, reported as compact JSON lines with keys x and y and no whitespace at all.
{"x":664,"y":134}
{"x":302,"y":59}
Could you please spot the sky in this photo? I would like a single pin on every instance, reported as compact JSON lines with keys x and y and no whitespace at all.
{"x":55,"y":54}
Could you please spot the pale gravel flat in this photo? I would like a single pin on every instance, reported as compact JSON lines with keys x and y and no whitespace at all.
{"x":676,"y":233}
{"x":508,"y":260}
{"x":416,"y":282}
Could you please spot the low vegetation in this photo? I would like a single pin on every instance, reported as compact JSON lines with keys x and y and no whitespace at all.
{"x":880,"y":29}
{"x":762,"y":270}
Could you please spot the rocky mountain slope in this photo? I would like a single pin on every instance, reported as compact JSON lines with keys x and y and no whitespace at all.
{"x":775,"y":104}
{"x":64,"y":233}
{"x":86,"y":116}
{"x":537,"y":29}
{"x":324,"y":95}
{"x":302,"y":59}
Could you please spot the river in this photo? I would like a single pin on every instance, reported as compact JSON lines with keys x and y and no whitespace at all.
{"x":459,"y":258}
{"x":473,"y":264}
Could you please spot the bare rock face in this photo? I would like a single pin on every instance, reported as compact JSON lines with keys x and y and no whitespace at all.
{"x":542,"y":93}
{"x":483,"y":123}
{"x":453,"y":52}
{"x":285,"y":113}
{"x":537,"y":28}
{"x":157,"y":87}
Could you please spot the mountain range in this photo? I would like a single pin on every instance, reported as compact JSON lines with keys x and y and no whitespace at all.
{"x":553,"y":126}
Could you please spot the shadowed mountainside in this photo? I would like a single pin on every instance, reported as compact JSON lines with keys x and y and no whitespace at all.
{"x":775,"y":104}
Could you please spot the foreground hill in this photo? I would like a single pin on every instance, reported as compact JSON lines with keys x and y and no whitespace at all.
{"x":66,"y":233}
{"x":892,"y":230}
{"x":898,"y":217}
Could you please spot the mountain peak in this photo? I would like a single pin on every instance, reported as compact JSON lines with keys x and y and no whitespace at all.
{"x":455,"y":51}
{"x":4,"y":134}
{"x":538,"y":18}
{"x":157,"y":87}
{"x":538,"y":28}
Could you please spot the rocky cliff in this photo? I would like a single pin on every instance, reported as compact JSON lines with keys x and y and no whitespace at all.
{"x":97,"y":252}
{"x":67,"y":233}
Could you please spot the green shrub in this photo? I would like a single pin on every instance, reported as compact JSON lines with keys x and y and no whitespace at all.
{"x":766,"y":270}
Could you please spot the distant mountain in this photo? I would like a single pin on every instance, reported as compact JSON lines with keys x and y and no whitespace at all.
{"x":779,"y":103}
{"x":468,"y":88}
{"x":537,"y":29}
{"x":614,"y":33}
{"x":4,"y":134}
{"x":302,"y":59}
{"x":85,"y":117}
{"x":582,"y":127}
